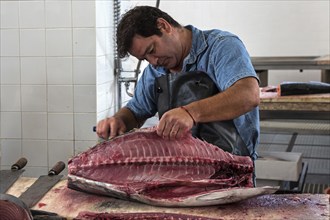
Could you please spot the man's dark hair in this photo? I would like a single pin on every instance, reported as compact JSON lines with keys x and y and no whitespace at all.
{"x":141,"y":20}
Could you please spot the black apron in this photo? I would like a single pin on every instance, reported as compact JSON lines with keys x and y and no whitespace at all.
{"x":174,"y":90}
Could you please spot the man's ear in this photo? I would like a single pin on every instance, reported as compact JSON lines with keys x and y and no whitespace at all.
{"x":163,"y":25}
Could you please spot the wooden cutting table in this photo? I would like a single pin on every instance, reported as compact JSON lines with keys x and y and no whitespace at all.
{"x":263,"y":64}
{"x":316,"y":106}
{"x":68,"y":203}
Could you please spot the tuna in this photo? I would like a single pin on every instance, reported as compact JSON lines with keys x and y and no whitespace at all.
{"x":141,"y":166}
{"x":13,"y":208}
{"x":302,"y":88}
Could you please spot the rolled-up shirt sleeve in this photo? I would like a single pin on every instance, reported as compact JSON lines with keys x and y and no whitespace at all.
{"x":143,"y":104}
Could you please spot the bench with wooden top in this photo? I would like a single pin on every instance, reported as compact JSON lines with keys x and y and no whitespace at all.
{"x":69,"y":203}
{"x":316,"y":106}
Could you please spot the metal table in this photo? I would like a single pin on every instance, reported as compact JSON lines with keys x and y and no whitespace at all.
{"x":263,"y":64}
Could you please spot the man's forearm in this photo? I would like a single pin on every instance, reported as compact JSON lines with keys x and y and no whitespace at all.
{"x":242,"y":97}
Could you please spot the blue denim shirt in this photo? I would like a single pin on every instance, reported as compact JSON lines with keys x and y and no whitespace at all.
{"x":224,"y":58}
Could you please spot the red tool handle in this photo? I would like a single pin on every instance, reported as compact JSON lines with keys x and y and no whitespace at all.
{"x":19,"y":164}
{"x":57,"y":168}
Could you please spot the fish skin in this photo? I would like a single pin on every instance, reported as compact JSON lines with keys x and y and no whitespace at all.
{"x":216,"y":197}
{"x":140,"y":216}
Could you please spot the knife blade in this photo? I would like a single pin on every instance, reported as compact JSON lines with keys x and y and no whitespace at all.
{"x":8,"y":177}
{"x":42,"y":185}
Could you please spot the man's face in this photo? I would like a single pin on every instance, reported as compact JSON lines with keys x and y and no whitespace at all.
{"x":164,"y":51}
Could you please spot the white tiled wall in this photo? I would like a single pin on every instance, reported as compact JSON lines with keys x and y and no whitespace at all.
{"x":54,"y":61}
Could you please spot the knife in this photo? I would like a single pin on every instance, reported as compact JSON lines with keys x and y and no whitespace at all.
{"x":8,"y":177}
{"x":42,"y":185}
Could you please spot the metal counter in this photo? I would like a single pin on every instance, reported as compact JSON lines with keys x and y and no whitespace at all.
{"x":263,"y":64}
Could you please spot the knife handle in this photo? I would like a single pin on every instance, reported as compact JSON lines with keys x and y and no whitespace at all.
{"x":57,"y":168}
{"x":19,"y":164}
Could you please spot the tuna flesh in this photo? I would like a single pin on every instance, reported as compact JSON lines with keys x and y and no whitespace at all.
{"x":144,"y":167}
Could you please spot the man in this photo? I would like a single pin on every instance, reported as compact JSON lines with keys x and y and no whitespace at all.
{"x":198,"y":81}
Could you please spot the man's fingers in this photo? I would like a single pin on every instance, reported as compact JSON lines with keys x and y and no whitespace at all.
{"x":174,"y":124}
{"x":117,"y":128}
{"x":102,"y":129}
{"x":167,"y":132}
{"x":160,"y":127}
{"x":174,"y":131}
{"x":113,"y":131}
{"x":122,"y":130}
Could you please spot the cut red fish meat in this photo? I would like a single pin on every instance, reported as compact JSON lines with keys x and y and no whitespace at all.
{"x":12,"y":208}
{"x":142,"y":166}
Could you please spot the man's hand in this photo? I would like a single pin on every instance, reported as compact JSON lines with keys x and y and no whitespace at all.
{"x":174,"y":124}
{"x":110,"y":127}
{"x":121,"y":122}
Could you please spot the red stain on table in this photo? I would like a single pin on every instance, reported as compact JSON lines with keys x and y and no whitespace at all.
{"x":41,"y":204}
